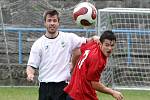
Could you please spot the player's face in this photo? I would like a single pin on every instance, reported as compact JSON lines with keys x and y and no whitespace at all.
{"x":107,"y":47}
{"x":52,"y":24}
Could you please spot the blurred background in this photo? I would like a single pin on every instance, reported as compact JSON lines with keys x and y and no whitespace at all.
{"x":28,"y":13}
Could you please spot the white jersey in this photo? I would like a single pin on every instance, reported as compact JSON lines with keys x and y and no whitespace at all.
{"x":52,"y":56}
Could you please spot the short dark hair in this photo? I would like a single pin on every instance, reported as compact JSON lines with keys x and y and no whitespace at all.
{"x":107,"y":35}
{"x":51,"y":12}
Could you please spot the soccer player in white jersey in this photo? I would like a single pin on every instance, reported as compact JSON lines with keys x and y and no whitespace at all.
{"x":50,"y":54}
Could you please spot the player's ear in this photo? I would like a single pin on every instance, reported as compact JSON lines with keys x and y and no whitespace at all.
{"x":100,"y":44}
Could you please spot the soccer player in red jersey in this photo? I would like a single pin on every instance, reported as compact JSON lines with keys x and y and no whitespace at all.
{"x":85,"y":80}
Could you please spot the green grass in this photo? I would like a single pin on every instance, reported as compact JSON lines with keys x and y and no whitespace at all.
{"x":23,"y":93}
{"x":28,"y":93}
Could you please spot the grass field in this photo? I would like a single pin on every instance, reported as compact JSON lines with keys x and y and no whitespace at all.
{"x":7,"y":93}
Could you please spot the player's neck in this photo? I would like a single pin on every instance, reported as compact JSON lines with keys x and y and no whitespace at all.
{"x":51,"y":35}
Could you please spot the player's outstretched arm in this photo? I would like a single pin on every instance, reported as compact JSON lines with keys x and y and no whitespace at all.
{"x":30,"y":73}
{"x":75,"y":56}
{"x":101,"y":88}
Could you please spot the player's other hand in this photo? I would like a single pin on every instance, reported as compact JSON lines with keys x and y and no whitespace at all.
{"x":30,"y":77}
{"x":96,"y":39}
{"x":117,"y":95}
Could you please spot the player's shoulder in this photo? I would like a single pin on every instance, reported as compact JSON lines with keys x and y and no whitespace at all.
{"x":66,"y":33}
{"x":39,"y":39}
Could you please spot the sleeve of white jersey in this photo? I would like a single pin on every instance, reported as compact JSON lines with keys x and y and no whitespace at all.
{"x":35,"y":56}
{"x":77,"y":41}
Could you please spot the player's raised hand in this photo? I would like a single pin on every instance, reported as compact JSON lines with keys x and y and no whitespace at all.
{"x":117,"y":95}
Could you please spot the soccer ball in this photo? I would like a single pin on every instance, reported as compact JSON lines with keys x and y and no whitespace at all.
{"x":85,"y":14}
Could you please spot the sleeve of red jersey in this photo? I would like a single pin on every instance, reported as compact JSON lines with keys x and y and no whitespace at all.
{"x":94,"y":71}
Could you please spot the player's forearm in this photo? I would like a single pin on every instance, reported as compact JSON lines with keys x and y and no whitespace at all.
{"x":75,"y":56}
{"x":101,"y":88}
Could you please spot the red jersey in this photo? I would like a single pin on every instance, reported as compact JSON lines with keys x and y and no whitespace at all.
{"x":89,"y":68}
